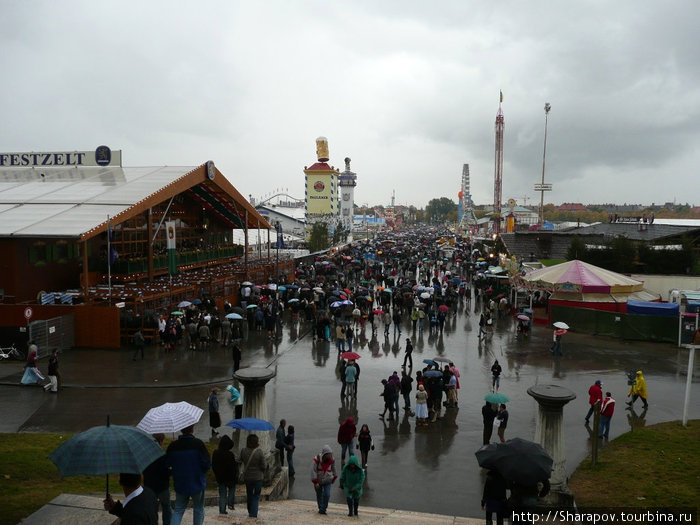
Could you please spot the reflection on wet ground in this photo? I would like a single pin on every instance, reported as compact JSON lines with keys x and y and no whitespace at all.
{"x":430,"y":469}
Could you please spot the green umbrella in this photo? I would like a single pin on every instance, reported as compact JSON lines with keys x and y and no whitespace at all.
{"x":497,"y":398}
{"x":176,"y":312}
{"x":106,"y":450}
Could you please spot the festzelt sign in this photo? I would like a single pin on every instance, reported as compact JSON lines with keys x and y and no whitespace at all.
{"x":102,"y":156}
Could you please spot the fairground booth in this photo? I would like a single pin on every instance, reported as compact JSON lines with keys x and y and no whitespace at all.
{"x":593,"y":300}
{"x":92,"y":251}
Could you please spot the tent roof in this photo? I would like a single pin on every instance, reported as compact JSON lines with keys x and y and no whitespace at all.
{"x":580,"y":277}
{"x":76,"y":201}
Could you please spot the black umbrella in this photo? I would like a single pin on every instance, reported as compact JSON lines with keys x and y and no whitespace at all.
{"x":518,"y":460}
{"x":238,"y":310}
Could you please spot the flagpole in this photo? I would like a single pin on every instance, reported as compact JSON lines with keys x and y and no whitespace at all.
{"x":109,"y":262}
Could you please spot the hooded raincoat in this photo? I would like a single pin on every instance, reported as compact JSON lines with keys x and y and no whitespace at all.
{"x":352,"y":477}
{"x":639,"y":387}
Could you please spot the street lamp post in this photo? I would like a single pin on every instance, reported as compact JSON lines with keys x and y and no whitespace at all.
{"x":547,"y":107}
{"x":278,"y":230}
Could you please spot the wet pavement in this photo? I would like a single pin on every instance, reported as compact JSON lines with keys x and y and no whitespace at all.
{"x":429,"y":469}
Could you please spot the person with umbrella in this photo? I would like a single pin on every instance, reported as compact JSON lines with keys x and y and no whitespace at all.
{"x":189,"y":460}
{"x":140,"y":504}
{"x":351,"y":373}
{"x":502,"y":418}
{"x":494,"y":497}
{"x":488,"y":414}
{"x":253,"y":460}
{"x":156,"y":477}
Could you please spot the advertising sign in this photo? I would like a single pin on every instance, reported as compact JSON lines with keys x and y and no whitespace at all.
{"x":102,"y":156}
{"x":319,"y":194}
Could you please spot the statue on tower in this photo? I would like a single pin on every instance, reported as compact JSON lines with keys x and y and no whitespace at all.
{"x":347,"y":163}
{"x":322,"y":149}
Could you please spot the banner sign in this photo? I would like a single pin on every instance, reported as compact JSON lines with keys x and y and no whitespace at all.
{"x":102,"y":156}
{"x":319,"y":195}
{"x":170,"y":232}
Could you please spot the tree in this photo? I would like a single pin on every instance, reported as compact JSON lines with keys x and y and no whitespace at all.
{"x":340,"y":234}
{"x":577,"y":249}
{"x":318,"y":239}
{"x":438,"y":210}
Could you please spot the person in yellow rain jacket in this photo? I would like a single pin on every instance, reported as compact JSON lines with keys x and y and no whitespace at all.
{"x":638,"y":389}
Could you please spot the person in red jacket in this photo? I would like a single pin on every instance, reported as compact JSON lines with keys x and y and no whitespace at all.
{"x":595,"y":395}
{"x":606,"y":414}
{"x":346,"y":437}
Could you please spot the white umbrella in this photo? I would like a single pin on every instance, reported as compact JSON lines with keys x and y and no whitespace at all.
{"x":562,"y":325}
{"x":184,"y":304}
{"x":246,"y":283}
{"x":424,"y":295}
{"x":170,"y":417}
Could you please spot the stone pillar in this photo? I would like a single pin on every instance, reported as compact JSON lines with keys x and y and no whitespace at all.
{"x":255,"y":405}
{"x":549,"y":433}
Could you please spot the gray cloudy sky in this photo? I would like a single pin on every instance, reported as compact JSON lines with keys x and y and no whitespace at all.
{"x":408,"y":89}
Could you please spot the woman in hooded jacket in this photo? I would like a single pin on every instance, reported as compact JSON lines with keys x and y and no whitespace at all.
{"x":351,"y":479}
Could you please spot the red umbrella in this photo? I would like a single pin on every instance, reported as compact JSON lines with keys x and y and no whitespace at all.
{"x":350,"y":355}
{"x":443,"y":308}
{"x":377,"y":311}
{"x":561,"y":331}
{"x":347,"y":291}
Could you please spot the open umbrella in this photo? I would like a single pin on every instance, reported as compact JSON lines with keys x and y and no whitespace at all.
{"x":561,"y":331}
{"x":336,"y":304}
{"x":106,"y":450}
{"x":176,"y":312}
{"x":429,"y":362}
{"x":523,"y":317}
{"x":238,"y":310}
{"x":234,"y":317}
{"x":562,"y":325}
{"x":432,"y":373}
{"x":441,"y":359}
{"x":346,"y":302}
{"x":497,"y":398}
{"x":282,"y":288}
{"x":196,"y":301}
{"x":443,"y":308}
{"x":377,"y":312}
{"x":246,"y":283}
{"x":517,"y":460}
{"x":294,"y":300}
{"x":252,"y":306}
{"x":252,"y":424}
{"x":425,"y":295}
{"x":170,"y":417}
{"x":350,"y":355}
{"x":184,"y":304}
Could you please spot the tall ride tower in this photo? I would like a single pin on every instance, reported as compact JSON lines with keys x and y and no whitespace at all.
{"x":466,"y":206}
{"x":498,"y":172}
{"x":347,"y":181}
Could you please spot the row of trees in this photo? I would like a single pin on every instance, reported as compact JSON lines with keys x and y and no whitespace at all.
{"x":624,"y":256}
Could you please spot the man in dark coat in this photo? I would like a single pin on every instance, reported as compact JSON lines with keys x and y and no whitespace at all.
{"x":140,"y":504}
{"x":488,"y":414}
{"x":156,"y":477}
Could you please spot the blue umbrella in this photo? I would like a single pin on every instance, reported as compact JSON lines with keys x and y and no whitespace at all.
{"x":432,"y":373}
{"x":347,"y":302}
{"x":336,"y":304}
{"x":234,"y":317}
{"x":251,"y":424}
{"x":281,"y":288}
{"x":430,"y":362}
{"x":196,"y":301}
{"x":295,"y":300}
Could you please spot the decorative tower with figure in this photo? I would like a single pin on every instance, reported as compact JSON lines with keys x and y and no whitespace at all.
{"x":347,"y":181}
{"x":321,"y":189}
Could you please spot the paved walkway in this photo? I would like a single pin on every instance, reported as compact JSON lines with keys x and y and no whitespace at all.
{"x":69,"y":509}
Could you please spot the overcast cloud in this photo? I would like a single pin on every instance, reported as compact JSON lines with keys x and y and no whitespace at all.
{"x":408,"y":89}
